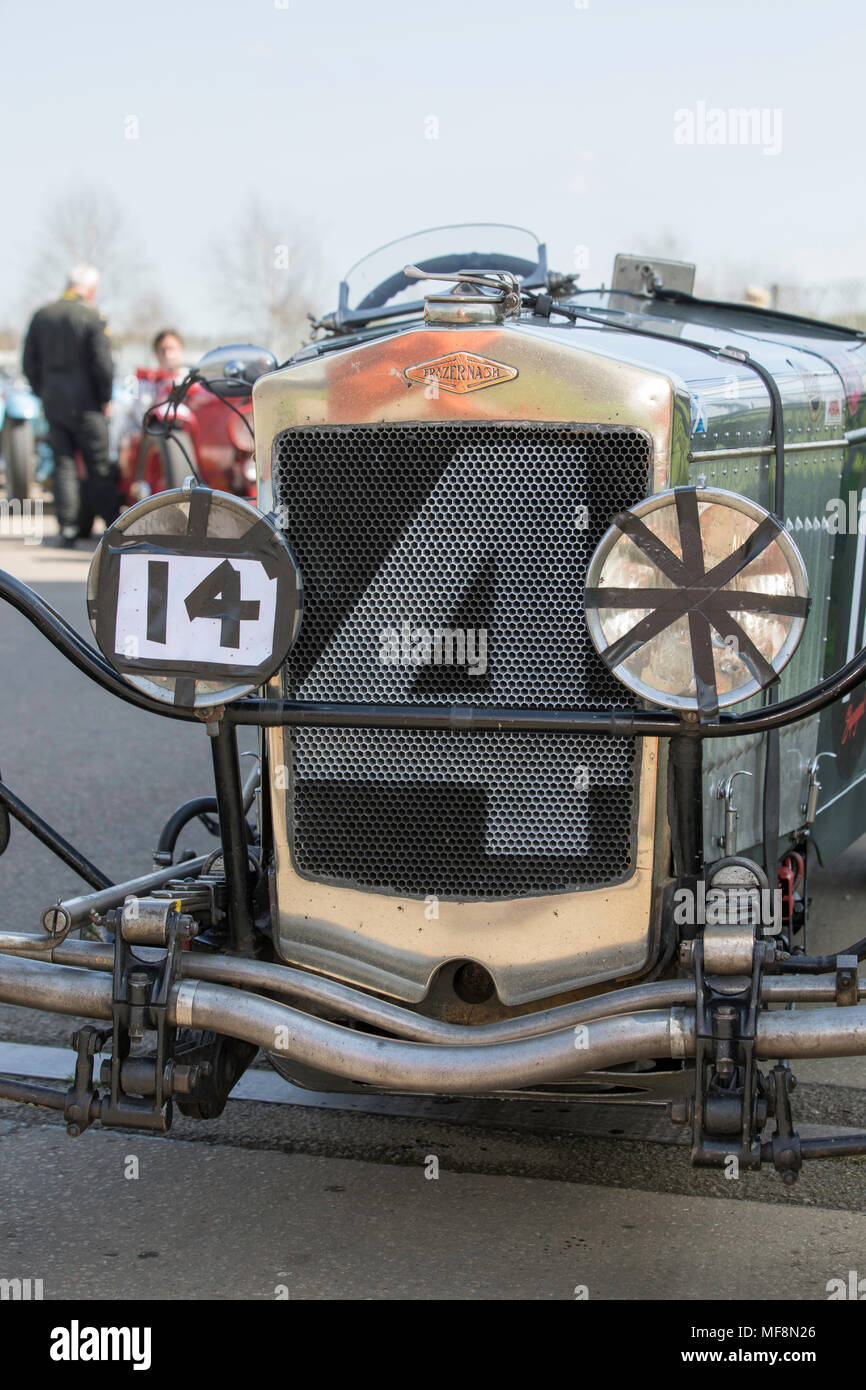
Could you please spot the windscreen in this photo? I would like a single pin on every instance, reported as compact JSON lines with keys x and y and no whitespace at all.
{"x":378,"y":279}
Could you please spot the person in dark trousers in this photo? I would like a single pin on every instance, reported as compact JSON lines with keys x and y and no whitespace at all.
{"x":67,"y":360}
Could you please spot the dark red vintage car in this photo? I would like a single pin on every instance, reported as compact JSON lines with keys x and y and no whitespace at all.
{"x":208,"y":433}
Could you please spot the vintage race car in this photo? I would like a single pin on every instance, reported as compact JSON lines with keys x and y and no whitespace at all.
{"x":551,"y":619}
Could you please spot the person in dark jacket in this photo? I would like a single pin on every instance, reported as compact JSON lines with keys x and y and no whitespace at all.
{"x":67,"y":360}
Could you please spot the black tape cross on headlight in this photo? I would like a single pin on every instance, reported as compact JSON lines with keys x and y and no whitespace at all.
{"x":699,"y":596}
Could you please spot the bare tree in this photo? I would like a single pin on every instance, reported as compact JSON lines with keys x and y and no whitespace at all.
{"x":87,"y":225}
{"x":267,"y":278}
{"x":147,"y":314}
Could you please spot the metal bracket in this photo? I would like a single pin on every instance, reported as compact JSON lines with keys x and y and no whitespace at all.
{"x":140,"y":1002}
{"x":784,"y":1148}
{"x":729,"y":1108}
{"x":809,"y":807}
{"x":731,"y":1097}
{"x":643,"y":275}
{"x":847,"y":983}
{"x":725,"y":792}
{"x":83,"y":1103}
{"x":154,"y":921}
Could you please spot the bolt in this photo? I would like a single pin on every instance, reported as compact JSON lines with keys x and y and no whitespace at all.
{"x":789,"y":1177}
{"x":55,"y":920}
{"x":73,"y":1131}
{"x":139,"y":981}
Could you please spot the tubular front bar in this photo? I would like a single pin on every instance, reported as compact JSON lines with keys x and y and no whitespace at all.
{"x":609,"y":724}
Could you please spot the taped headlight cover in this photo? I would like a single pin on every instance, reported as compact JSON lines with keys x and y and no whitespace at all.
{"x":696,"y":599}
{"x":194,"y":597}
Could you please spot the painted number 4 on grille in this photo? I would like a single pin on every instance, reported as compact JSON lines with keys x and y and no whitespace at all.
{"x":194,"y":597}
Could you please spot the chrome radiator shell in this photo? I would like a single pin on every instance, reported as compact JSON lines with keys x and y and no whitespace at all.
{"x":534,"y":946}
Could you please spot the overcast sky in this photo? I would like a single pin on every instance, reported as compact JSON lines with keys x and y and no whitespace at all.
{"x":565,"y":117}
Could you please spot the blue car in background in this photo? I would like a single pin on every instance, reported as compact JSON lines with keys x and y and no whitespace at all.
{"x":24,"y":448}
{"x":25,"y":453}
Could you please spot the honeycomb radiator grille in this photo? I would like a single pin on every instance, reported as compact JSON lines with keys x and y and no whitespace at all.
{"x":408,"y":536}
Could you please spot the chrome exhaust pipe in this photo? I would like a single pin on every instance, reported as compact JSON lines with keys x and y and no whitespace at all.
{"x":443,"y":1068}
{"x":380,"y":1062}
{"x":839,"y":1033}
{"x":55,"y":988}
{"x":343,"y":1001}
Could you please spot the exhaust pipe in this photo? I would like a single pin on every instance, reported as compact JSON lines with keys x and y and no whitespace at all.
{"x":379,"y":1062}
{"x":840,"y":1033}
{"x":443,"y":1068}
{"x":343,"y":1001}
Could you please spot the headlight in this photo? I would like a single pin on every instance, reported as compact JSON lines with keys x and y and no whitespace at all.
{"x":696,"y":598}
{"x":194,"y":597}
